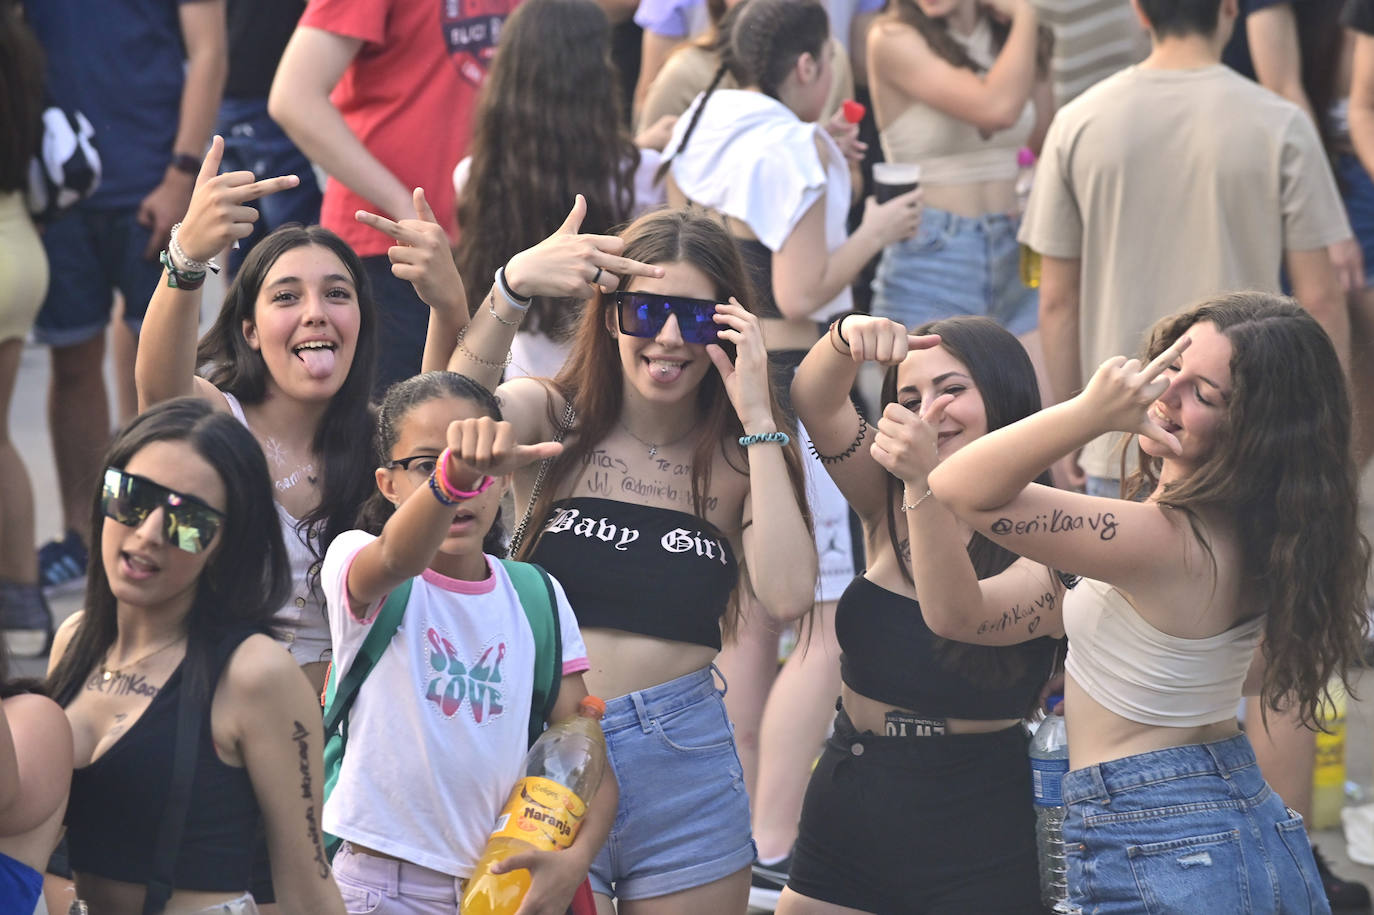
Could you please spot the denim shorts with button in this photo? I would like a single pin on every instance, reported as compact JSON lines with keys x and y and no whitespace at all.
{"x":683,"y":819}
{"x":955,"y":265}
{"x":1191,"y":829}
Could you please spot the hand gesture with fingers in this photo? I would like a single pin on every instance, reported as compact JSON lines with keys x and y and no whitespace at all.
{"x":873,"y":339}
{"x":485,"y":446}
{"x":746,"y":379}
{"x":421,"y":255}
{"x":1121,"y":391}
{"x":571,"y":265}
{"x":905,"y":444}
{"x":218,"y":214}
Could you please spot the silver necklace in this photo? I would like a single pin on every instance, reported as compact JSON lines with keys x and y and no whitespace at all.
{"x":654,"y":446}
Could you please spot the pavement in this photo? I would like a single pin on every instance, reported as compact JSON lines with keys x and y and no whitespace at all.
{"x":28,"y":427}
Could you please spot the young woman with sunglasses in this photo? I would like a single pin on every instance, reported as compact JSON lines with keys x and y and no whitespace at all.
{"x":675,"y":467}
{"x":191,"y":573}
{"x":291,"y":356}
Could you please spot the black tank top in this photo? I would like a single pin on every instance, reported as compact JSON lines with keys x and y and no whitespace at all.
{"x":888,"y":653}
{"x":117,"y":802}
{"x":641,"y":569}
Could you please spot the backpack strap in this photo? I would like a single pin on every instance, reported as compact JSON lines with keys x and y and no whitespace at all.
{"x":338,"y":697}
{"x":534,"y":587}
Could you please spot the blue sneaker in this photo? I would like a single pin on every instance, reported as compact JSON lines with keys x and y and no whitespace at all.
{"x":62,"y":563}
{"x":25,"y":620}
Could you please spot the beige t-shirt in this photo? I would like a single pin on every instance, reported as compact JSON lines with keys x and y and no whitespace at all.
{"x":1172,"y":185}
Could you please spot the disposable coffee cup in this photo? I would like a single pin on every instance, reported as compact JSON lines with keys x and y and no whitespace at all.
{"x":893,"y":179}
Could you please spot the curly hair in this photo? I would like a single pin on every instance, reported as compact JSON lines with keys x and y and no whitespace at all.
{"x":1281,"y":469}
{"x":547,"y":127}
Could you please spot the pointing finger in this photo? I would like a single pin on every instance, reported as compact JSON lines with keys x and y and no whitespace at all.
{"x":268,"y":186}
{"x":380,"y":223}
{"x":922,"y":341}
{"x":210,"y":166}
{"x":1166,"y":358}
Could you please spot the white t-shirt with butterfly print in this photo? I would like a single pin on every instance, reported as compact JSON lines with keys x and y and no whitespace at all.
{"x":439,"y":728}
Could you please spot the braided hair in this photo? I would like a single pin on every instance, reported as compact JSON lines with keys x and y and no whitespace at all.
{"x":759,"y":43}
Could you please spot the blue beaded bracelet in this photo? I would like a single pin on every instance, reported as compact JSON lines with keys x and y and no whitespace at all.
{"x":438,"y":491}
{"x":780,"y":437}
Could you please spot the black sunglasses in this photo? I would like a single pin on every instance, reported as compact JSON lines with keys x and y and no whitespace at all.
{"x":643,"y":314}
{"x":187,"y":523}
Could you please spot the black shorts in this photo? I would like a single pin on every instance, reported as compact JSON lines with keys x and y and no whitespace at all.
{"x":934,"y":825}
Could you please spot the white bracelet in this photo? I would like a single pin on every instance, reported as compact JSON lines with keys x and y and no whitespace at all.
{"x":907,"y":508}
{"x":519,"y":303}
{"x":182,"y":261}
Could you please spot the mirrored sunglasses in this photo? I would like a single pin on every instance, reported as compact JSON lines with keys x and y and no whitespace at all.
{"x":187,"y":523}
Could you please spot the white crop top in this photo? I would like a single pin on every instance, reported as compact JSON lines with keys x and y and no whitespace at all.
{"x":306,"y":633}
{"x":1132,"y":669}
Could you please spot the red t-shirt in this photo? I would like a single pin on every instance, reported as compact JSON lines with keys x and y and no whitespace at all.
{"x":408,"y":96}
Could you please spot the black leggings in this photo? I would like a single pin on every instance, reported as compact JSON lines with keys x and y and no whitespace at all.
{"x":935,"y":825}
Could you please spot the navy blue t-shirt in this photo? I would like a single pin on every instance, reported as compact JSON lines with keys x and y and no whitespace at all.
{"x":122,"y":64}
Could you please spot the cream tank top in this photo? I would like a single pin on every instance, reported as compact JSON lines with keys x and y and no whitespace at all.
{"x":953,"y":151}
{"x":1144,"y":675}
{"x":306,"y":633}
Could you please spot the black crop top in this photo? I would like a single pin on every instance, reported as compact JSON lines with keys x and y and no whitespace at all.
{"x":758,"y":264}
{"x":117,"y":803}
{"x":641,"y":569}
{"x":888,"y":653}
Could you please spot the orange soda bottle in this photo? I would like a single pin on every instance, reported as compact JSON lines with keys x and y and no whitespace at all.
{"x":561,"y":774}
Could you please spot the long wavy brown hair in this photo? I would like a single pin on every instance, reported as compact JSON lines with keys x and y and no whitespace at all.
{"x":1282,"y":471}
{"x":547,"y":128}
{"x":593,"y":379}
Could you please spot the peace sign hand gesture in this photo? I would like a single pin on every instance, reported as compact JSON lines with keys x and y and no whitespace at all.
{"x":1120,"y":394}
{"x":218,"y":214}
{"x":421,"y":255}
{"x":569,"y":265}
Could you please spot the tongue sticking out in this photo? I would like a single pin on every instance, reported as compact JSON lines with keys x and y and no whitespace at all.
{"x":318,"y":362}
{"x":665,"y":372}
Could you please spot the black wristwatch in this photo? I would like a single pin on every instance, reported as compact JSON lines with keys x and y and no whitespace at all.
{"x":185,"y":162}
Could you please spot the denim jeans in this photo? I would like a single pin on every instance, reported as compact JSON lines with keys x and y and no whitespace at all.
{"x":1187,"y":830}
{"x":253,"y":142}
{"x":955,"y":265}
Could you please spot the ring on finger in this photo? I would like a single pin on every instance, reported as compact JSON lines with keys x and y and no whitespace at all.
{"x":596,"y":276}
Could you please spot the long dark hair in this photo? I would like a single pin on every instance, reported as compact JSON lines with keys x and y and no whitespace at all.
{"x":403,"y":397}
{"x":1281,"y":471}
{"x":341,"y":438}
{"x":593,"y":379}
{"x":937,"y":37}
{"x":759,"y":46}
{"x":1005,"y":378}
{"x":21,"y":97}
{"x":247,"y":578}
{"x":547,"y":127}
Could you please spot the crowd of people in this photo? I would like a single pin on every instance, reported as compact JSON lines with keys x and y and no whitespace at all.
{"x":594,"y":295}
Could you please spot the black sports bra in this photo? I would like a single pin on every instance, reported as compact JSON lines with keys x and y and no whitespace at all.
{"x":117,"y":802}
{"x":641,"y":569}
{"x":888,"y":653}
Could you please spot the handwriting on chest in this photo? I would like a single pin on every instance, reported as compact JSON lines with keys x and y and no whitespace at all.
{"x":666,"y":481}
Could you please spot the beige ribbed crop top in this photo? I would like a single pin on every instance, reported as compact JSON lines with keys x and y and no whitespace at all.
{"x":1132,"y":669}
{"x":952,"y":151}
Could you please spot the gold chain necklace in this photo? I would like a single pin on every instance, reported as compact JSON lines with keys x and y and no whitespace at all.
{"x":109,"y":673}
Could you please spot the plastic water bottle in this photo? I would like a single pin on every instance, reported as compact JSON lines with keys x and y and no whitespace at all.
{"x":1025,"y":175}
{"x":561,"y":774}
{"x":1328,"y":775}
{"x":1049,"y":759}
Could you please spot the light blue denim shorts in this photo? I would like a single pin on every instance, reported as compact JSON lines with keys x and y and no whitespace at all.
{"x":1190,"y":829}
{"x":683,"y":819}
{"x":955,"y":265}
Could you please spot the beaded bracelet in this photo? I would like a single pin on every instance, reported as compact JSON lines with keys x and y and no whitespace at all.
{"x":453,"y":492}
{"x":437,"y":488}
{"x":187,"y":263}
{"x":853,"y":446}
{"x":187,"y":281}
{"x":476,"y":358}
{"x":780,"y":437}
{"x":518,"y":302}
{"x":908,"y":508}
